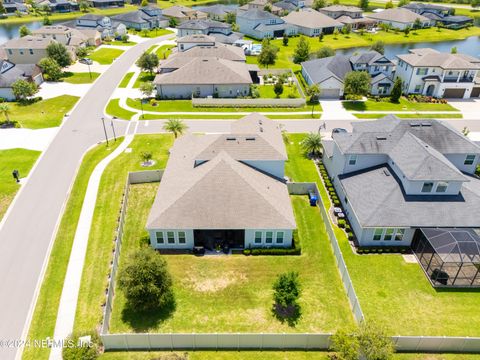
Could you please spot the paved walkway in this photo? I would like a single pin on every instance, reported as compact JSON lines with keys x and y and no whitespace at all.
{"x":73,"y":277}
{"x":26,"y":138}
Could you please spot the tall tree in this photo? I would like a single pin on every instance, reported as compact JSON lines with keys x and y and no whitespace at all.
{"x":324,"y":51}
{"x":357,"y":83}
{"x":278,"y":88}
{"x":2,"y":8}
{"x":230,"y":18}
{"x":286,"y":293}
{"x":378,"y":46}
{"x":389,"y":5}
{"x":59,"y":53}
{"x":318,"y":4}
{"x":175,"y":126}
{"x":148,"y":62}
{"x":363,"y":4}
{"x":24,"y":89}
{"x":268,"y":54}
{"x":83,"y":6}
{"x":145,"y":280}
{"x":302,"y":51}
{"x":285,"y":39}
{"x":50,"y":69}
{"x":147,"y":88}
{"x":313,"y":92}
{"x":5,"y":110}
{"x":396,"y":92}
{"x":24,"y":31}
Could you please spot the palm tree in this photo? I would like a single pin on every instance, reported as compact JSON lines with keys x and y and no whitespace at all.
{"x":312,"y":144}
{"x":175,"y":126}
{"x":5,"y":110}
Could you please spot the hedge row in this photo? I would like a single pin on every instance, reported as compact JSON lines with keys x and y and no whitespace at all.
{"x":295,"y":250}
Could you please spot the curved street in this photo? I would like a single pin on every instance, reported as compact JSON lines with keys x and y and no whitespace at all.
{"x":30,"y":224}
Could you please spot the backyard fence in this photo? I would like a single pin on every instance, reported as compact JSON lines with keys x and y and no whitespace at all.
{"x":256,"y":341}
{"x":303,"y":189}
{"x":273,"y":103}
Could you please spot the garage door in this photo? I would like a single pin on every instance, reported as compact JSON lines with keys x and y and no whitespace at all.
{"x":454,"y":93}
{"x":330,"y":93}
{"x":475,"y":92}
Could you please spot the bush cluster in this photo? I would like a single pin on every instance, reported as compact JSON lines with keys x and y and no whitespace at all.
{"x":426,"y":99}
{"x":296,"y":249}
{"x":383,"y":249}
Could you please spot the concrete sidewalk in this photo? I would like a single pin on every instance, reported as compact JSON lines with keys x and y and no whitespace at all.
{"x":71,"y":287}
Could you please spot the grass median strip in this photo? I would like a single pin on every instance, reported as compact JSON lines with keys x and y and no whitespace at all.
{"x":292,"y":116}
{"x":100,"y":245}
{"x":411,"y":116}
{"x":126,"y":80}
{"x":13,"y":159}
{"x":114,"y":109}
{"x":402,"y":105}
{"x":45,"y":314}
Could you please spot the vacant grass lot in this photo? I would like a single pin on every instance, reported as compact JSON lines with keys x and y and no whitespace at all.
{"x":126,"y":80}
{"x":100,"y":245}
{"x":403,"y":105}
{"x":285,"y":54}
{"x":411,"y":116}
{"x":114,"y":109}
{"x":186,"y":106}
{"x":389,"y":288}
{"x":19,"y":159}
{"x":80,"y":77}
{"x":42,"y":114}
{"x":45,"y":314}
{"x":233,"y":293}
{"x":105,"y":56}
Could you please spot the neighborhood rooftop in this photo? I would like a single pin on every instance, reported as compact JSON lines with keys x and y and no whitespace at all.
{"x":311,"y":19}
{"x":399,"y":15}
{"x":431,"y":57}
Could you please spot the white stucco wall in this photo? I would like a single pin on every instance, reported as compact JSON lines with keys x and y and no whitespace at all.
{"x":274,"y":167}
{"x":250,"y":238}
{"x":459,"y":161}
{"x":189,"y":243}
{"x":7,"y":94}
{"x":174,"y":91}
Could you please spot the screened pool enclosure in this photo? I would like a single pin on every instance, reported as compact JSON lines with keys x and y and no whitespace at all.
{"x":449,"y":257}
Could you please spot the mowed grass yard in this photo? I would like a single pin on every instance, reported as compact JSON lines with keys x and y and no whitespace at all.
{"x":19,"y":159}
{"x":393,"y":293}
{"x":114,"y":109}
{"x":403,"y":105}
{"x":234,"y":293}
{"x":267,"y":92}
{"x":105,"y":56}
{"x":43,"y":113}
{"x":100,"y":245}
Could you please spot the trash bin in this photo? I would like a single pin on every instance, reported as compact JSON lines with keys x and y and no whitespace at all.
{"x":313,"y":198}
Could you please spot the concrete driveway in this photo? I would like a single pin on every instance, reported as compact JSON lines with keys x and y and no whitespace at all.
{"x":470,"y":108}
{"x":334,"y":110}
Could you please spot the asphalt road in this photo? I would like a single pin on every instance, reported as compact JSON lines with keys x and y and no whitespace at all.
{"x":31,"y":223}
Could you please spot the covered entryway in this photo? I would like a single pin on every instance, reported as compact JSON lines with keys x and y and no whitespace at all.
{"x":430,"y":90}
{"x":475,"y":92}
{"x":211,"y":239}
{"x":454,"y":93}
{"x":278,"y":33}
{"x":330,"y":93}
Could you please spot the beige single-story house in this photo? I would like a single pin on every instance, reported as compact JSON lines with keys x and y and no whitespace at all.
{"x":311,"y":22}
{"x":225,"y":191}
{"x":400,"y":18}
{"x":183,"y":13}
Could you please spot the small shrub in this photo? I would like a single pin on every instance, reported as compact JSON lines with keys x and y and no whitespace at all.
{"x":336,"y":203}
{"x":341,"y":223}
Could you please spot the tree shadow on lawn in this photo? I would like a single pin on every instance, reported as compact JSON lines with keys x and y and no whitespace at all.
{"x":355,"y":105}
{"x":143,"y":321}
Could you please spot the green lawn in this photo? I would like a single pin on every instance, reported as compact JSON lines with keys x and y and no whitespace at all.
{"x":225,"y":117}
{"x":19,"y":159}
{"x":266,"y":91}
{"x":126,"y":80}
{"x":114,"y":109}
{"x":120,"y":43}
{"x":186,"y":106}
{"x":151,"y":33}
{"x":389,"y":288}
{"x":164,"y":51}
{"x":204,"y":294}
{"x":80,"y":77}
{"x":67,"y":16}
{"x":403,"y":105}
{"x":45,"y":314}
{"x":143,"y":77}
{"x":42,"y":114}
{"x":105,"y":56}
{"x":99,"y":251}
{"x":411,"y":116}
{"x":285,"y":54}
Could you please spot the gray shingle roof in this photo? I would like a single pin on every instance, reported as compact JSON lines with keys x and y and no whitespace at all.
{"x":203,"y":25}
{"x":322,"y":69}
{"x":369,"y":57}
{"x":256,"y":14}
{"x":310,"y":18}
{"x":222,"y":193}
{"x":378,"y":200}
{"x":218,"y":9}
{"x":431,"y":57}
{"x":400,"y":15}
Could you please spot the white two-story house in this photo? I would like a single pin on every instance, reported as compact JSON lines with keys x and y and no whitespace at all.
{"x":261,"y":24}
{"x":224,"y":190}
{"x":442,"y":75}
{"x":394,"y":177}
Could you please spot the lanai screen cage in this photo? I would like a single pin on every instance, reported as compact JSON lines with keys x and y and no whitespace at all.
{"x":449,"y":257}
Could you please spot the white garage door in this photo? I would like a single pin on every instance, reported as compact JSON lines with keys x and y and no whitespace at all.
{"x":330,"y":93}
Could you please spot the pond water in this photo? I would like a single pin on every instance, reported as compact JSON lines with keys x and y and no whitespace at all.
{"x":9,"y":31}
{"x":469,"y":46}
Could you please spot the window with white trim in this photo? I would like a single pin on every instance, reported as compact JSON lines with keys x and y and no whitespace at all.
{"x":399,"y":234}
{"x":388,"y":234}
{"x":427,"y":187}
{"x":181,"y":237}
{"x":442,"y":187}
{"x":258,"y":237}
{"x":469,"y":160}
{"x":279,"y":237}
{"x":352,"y":160}
{"x":377,"y":235}
{"x":269,"y":237}
{"x":170,"y":237}
{"x":159,"y":236}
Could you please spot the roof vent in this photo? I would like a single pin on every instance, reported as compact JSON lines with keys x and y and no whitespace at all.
{"x":260,"y":122}
{"x":261,"y":129}
{"x":231,"y":139}
{"x":381,"y":137}
{"x":426,"y":124}
{"x":414,"y":124}
{"x":250,"y":139}
{"x":386,"y":172}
